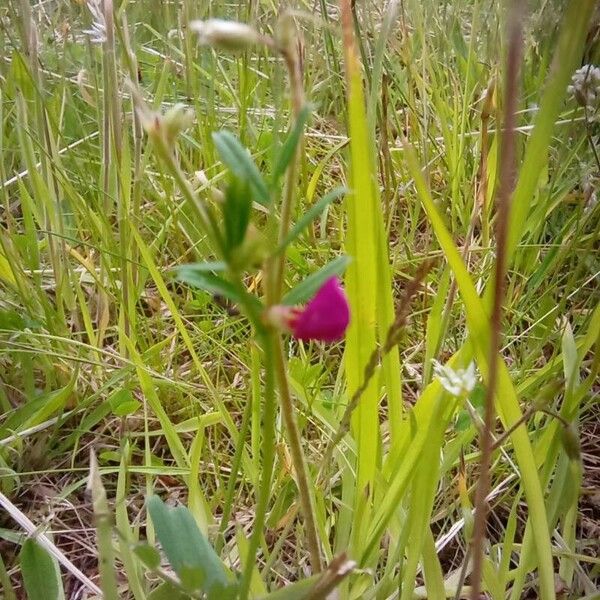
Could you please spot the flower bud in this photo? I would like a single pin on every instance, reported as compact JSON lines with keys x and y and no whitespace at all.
{"x":325,"y":318}
{"x":229,"y":35}
{"x":176,"y":120}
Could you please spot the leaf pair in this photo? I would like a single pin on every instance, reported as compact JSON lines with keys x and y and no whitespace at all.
{"x":238,"y":160}
{"x":246,"y":181}
{"x":201,"y":275}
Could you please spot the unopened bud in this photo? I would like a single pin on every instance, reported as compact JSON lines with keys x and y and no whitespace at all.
{"x":229,"y":35}
{"x":489,"y":99}
{"x":570,"y":441}
{"x":286,"y":32}
{"x":176,"y":120}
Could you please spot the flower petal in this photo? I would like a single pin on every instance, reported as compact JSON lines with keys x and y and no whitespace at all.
{"x":326,"y":316}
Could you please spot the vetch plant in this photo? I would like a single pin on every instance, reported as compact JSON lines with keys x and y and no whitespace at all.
{"x":241,"y":246}
{"x":214,"y":406}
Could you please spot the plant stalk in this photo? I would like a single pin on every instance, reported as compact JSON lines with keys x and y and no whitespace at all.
{"x":274,"y":292}
{"x":503,"y":201}
{"x":268,"y":446}
{"x":298,"y":460}
{"x":294,"y":69}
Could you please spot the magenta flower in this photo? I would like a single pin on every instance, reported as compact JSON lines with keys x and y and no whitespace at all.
{"x":325,"y":318}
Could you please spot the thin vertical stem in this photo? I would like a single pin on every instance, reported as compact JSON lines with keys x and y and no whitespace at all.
{"x":503,"y":201}
{"x":274,"y":290}
{"x":298,"y":460}
{"x":292,"y":63}
{"x":268,"y":447}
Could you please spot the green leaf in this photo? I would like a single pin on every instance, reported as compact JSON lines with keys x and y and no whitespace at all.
{"x":288,"y":149}
{"x":310,"y":215}
{"x":238,"y":160}
{"x":213,"y":284}
{"x":185,"y":546}
{"x":54,"y":402}
{"x":6,"y":583}
{"x":20,"y":76}
{"x":308,"y":288}
{"x":477,"y":399}
{"x":149,"y":555}
{"x":122,"y":403}
{"x":15,"y":321}
{"x":167,"y":591}
{"x":236,"y":212}
{"x":40,"y":572}
{"x":192,"y":578}
{"x":566,"y":59}
{"x":300,"y":590}
{"x":218,"y":592}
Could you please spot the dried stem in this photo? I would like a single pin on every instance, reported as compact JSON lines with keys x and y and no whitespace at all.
{"x":503,"y":200}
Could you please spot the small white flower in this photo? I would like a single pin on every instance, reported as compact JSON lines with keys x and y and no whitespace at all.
{"x":585,"y":86}
{"x":97,"y":32}
{"x":459,"y":382}
{"x":230,"y":35}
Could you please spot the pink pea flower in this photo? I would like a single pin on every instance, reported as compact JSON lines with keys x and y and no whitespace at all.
{"x":325,"y":317}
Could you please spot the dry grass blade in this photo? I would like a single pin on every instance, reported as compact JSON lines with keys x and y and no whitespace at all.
{"x":338,"y":569}
{"x":507,"y":167}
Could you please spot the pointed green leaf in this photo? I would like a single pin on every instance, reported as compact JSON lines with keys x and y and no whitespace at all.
{"x":310,"y":215}
{"x":238,"y":160}
{"x":148,"y":555}
{"x":213,"y":284}
{"x":122,"y":403}
{"x":308,"y":288}
{"x":40,"y":572}
{"x":236,"y":212}
{"x":288,"y":149}
{"x":185,"y":546}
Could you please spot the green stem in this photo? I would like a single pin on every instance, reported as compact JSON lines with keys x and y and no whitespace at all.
{"x":297,"y":91}
{"x":231,"y":485}
{"x":299,"y":462}
{"x":274,"y":287}
{"x":287,"y":206}
{"x":268,"y":446}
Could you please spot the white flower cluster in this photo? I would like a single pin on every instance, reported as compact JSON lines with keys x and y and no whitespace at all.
{"x":585,"y":86}
{"x":459,"y":382}
{"x":97,"y":32}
